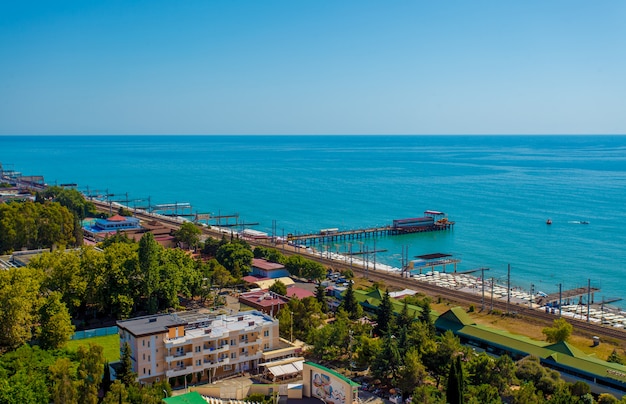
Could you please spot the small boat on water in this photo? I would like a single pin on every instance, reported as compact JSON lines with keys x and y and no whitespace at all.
{"x":549,"y":221}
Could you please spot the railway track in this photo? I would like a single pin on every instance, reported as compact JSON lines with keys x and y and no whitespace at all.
{"x":395,"y":280}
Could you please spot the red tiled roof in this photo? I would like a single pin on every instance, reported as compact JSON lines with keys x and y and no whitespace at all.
{"x":117,"y":218}
{"x":253,"y":279}
{"x":263,"y":298}
{"x":300,"y":293}
{"x":266,"y":265}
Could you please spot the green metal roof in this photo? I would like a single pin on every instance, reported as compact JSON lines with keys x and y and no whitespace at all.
{"x":370,"y":299}
{"x":560,"y":354}
{"x":189,"y":398}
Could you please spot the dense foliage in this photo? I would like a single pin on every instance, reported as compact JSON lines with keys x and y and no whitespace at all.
{"x":35,"y":225}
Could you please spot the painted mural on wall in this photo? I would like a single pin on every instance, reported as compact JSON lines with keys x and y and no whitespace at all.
{"x":325,"y":388}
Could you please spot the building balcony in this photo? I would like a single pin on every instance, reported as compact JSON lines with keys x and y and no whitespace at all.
{"x":249,"y":342}
{"x":176,"y":342}
{"x":179,"y":371}
{"x":179,"y":356}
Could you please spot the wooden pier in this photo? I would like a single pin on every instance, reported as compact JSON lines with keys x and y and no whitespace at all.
{"x":328,"y":237}
{"x":569,"y":295}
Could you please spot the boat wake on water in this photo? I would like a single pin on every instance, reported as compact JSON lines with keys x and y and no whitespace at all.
{"x":578,"y":222}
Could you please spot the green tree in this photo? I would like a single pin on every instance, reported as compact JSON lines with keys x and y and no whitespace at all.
{"x":122,"y":280}
{"x":149,"y":255}
{"x":70,"y":198}
{"x":479,"y":369}
{"x":503,"y":375}
{"x":384,"y":315}
{"x":189,"y":234}
{"x":126,"y":374}
{"x":350,"y":304}
{"x":320,"y":296}
{"x":19,"y":301}
{"x":404,"y":319}
{"x":295,"y":264}
{"x":55,"y":322}
{"x":454,"y":390}
{"x":482,"y":394}
{"x":269,"y":254}
{"x":425,"y":317}
{"x":106,"y":378}
{"x":117,"y":395}
{"x":236,"y":258}
{"x":90,"y":372}
{"x":579,"y":388}
{"x":545,"y":380}
{"x":427,"y":394}
{"x":367,"y":350}
{"x":211,"y":245}
{"x":527,"y":394}
{"x":412,"y":373}
{"x":615,"y":358}
{"x":560,"y":331}
{"x":63,"y":386}
{"x":220,"y":276}
{"x":607,"y":398}
{"x":438,"y":360}
{"x":63,"y":273}
{"x":313,"y":270}
{"x":389,"y":361}
{"x":279,"y":288}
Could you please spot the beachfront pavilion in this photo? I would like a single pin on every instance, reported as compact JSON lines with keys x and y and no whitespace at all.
{"x":115,"y":223}
{"x":569,"y":361}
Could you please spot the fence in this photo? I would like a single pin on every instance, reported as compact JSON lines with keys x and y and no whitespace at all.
{"x":96,"y":332}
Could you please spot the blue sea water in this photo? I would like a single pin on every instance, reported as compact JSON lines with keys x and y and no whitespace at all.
{"x":498,"y":189}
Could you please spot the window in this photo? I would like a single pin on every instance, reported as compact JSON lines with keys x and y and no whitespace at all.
{"x":227,"y":367}
{"x":143,"y":343}
{"x":243,"y":337}
{"x":232,"y":342}
{"x":148,"y":344}
{"x":233,"y":355}
{"x":149,"y":372}
{"x":148,"y":358}
{"x":266,"y":333}
{"x":243,"y":350}
{"x":144,"y":356}
{"x":198,"y":362}
{"x":197,"y":349}
{"x":144,"y":371}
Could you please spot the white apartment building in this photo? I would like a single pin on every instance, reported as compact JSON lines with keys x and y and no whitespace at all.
{"x":205,"y":345}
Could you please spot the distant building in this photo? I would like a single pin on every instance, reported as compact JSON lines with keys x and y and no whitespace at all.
{"x":115,"y":223}
{"x":203,"y":345}
{"x":265,"y":269}
{"x":264,"y":300}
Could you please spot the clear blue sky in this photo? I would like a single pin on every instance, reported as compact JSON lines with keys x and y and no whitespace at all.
{"x":313,"y":66}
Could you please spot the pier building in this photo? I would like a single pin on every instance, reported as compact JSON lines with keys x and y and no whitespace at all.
{"x":431,"y":221}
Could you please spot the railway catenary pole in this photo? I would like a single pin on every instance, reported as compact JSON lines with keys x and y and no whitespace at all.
{"x":508,"y":288}
{"x":482,"y":281}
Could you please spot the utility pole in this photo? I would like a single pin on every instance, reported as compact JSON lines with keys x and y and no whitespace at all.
{"x":508,"y":288}
{"x":482,"y":279}
{"x":492,"y":282}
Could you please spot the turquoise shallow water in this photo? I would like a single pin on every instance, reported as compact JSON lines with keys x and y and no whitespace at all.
{"x":498,"y":189}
